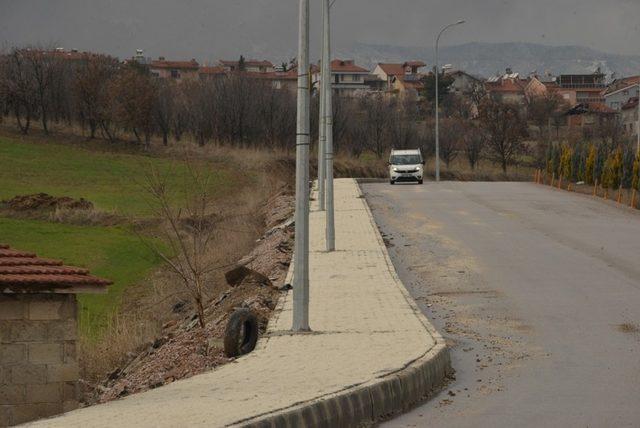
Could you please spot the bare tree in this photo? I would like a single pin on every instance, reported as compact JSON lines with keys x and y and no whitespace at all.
{"x":505,"y":128}
{"x":474,"y":144}
{"x":132,"y":102}
{"x":376,"y":109}
{"x":90,"y":88}
{"x":451,"y":136}
{"x":19,"y":89}
{"x":188,"y":230}
{"x":164,"y":106}
{"x":44,"y":66}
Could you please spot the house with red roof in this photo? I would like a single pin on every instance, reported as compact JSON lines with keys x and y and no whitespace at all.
{"x":621,"y":92}
{"x":211,"y":73}
{"x":347,"y":77}
{"x":507,"y":88}
{"x":250,"y":66}
{"x":405,"y":78}
{"x":177,"y":70}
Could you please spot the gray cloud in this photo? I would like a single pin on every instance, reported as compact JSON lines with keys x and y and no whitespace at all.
{"x":210,"y":29}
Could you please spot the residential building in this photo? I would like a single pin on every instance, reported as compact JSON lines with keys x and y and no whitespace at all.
{"x":348,"y":78}
{"x":582,"y":88}
{"x":587,"y":114}
{"x":250,"y":66}
{"x":621,"y":91}
{"x":178,"y":70}
{"x":463,"y":82}
{"x":211,"y":73}
{"x":508,"y":87}
{"x":399,"y":76}
{"x":629,"y":113}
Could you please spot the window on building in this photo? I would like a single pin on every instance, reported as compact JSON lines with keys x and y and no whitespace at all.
{"x":175,"y":74}
{"x":356,"y":77}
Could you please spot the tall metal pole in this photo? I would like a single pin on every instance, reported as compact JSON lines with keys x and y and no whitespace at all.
{"x":638,"y":125}
{"x":438,"y":98}
{"x":327,"y":88}
{"x":437,"y":113}
{"x":322,"y":139}
{"x":301,"y":246}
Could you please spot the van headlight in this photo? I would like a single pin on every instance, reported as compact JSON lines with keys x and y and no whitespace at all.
{"x":395,"y":169}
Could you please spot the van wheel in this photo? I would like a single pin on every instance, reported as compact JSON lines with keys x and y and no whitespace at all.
{"x":420,"y":181}
{"x":392,"y":182}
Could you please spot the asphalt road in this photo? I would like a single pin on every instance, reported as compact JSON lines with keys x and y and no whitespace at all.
{"x":536,"y":290}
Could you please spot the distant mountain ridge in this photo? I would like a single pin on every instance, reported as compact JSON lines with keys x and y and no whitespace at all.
{"x":488,"y":59}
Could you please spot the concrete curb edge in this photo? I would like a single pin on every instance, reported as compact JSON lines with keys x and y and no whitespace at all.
{"x":378,"y":399}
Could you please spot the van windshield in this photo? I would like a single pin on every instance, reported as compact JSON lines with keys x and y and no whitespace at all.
{"x":406,"y":159}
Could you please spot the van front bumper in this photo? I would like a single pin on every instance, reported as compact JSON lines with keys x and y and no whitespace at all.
{"x":406,"y":176}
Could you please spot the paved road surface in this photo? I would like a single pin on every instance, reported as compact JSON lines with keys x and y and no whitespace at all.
{"x":538,"y":293}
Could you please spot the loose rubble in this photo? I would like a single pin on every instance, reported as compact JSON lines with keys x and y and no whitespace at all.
{"x":184,"y":349}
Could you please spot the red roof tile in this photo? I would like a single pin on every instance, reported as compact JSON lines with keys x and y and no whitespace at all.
{"x":27,"y":261}
{"x":248,"y":63}
{"x":211,"y":70}
{"x":392,"y":69}
{"x":20,"y":269}
{"x":505,"y":85}
{"x":188,"y":65}
{"x":346,"y":66}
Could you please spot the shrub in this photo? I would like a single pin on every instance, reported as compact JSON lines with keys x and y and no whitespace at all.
{"x":589,"y":170}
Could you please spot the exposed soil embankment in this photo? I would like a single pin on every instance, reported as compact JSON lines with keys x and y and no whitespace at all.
{"x":184,"y":348}
{"x":58,"y":209}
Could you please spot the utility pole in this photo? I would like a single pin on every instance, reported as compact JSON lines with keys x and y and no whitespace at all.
{"x":638,"y":127}
{"x":322,"y":139}
{"x":438,"y":99}
{"x":301,"y":246}
{"x":327,"y":88}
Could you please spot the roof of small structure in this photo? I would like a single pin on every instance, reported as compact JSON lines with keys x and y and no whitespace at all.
{"x":24,"y":272}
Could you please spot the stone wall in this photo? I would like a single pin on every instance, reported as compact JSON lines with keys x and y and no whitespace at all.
{"x":38,"y":366}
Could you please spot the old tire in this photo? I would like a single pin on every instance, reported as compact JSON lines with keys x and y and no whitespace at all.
{"x":241,"y":334}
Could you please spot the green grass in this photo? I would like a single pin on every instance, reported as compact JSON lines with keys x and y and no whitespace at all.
{"x":110,"y":252}
{"x":112,"y":181}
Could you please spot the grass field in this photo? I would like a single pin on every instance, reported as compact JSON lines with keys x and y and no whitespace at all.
{"x":113,"y":182}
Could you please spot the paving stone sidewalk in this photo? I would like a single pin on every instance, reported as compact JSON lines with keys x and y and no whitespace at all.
{"x":370,"y":344}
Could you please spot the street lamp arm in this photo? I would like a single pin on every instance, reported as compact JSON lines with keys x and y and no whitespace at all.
{"x":445,"y":29}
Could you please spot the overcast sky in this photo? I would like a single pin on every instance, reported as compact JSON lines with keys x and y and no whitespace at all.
{"x":212,"y":29}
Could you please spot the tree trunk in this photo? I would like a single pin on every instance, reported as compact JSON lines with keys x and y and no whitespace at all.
{"x":44,"y":122}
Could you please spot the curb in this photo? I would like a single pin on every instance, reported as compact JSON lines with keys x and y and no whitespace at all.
{"x":379,"y":398}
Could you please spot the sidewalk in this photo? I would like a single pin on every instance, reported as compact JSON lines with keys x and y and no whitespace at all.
{"x":372,"y":353}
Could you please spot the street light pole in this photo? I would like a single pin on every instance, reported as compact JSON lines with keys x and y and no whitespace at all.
{"x":438,"y":99}
{"x":327,"y":88}
{"x":301,"y":246}
{"x":638,"y":125}
{"x":322,"y":139}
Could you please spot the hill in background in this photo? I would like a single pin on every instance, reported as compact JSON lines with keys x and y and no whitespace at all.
{"x":487,"y":59}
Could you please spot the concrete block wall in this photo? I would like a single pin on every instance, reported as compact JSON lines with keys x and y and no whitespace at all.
{"x":38,"y":364}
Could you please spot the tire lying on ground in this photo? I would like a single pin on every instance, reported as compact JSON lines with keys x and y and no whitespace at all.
{"x":241,"y":334}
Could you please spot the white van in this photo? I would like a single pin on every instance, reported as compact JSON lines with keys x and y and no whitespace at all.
{"x":406,"y":165}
